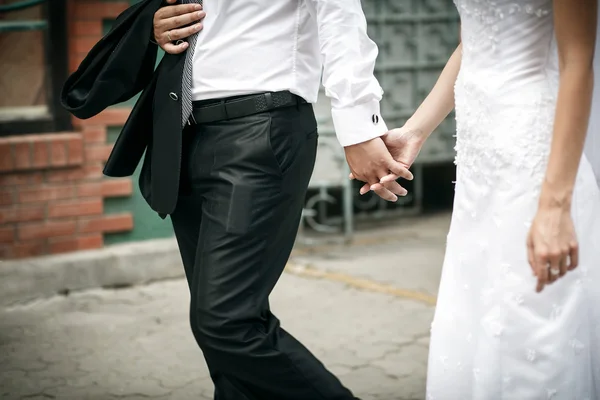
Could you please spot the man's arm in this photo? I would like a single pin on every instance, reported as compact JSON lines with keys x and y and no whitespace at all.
{"x":349,"y":57}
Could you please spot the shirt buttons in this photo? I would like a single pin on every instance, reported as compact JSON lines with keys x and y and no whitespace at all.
{"x":173,"y":96}
{"x":375,"y":119}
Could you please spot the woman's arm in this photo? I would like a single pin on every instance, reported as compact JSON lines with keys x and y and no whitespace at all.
{"x":575,"y":24}
{"x":440,"y":101}
{"x":552,"y":241}
{"x":404,"y":144}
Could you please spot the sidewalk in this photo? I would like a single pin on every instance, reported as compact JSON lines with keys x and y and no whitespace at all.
{"x":364,"y":310}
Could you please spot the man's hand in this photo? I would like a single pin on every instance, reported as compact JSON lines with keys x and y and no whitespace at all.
{"x":175,"y":22}
{"x":404,"y":145}
{"x":371,"y":161}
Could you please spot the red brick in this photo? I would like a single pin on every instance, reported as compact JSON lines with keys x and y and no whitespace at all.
{"x":58,"y":153}
{"x":42,"y":194}
{"x":83,"y":44}
{"x":21,"y":178}
{"x":94,"y":134}
{"x":75,"y":208}
{"x":92,"y":189}
{"x":5,"y":252}
{"x":27,"y":249}
{"x":117,"y":187}
{"x":94,"y":10}
{"x":22,"y":152}
{"x":75,"y":150}
{"x":82,"y":173}
{"x":31,"y":231}
{"x":22,"y":213}
{"x":7,"y":234}
{"x":68,"y":244}
{"x":41,"y":156}
{"x":6,"y":161}
{"x":75,"y":60}
{"x":110,"y":117}
{"x":86,"y":28}
{"x":6,"y":198}
{"x":107,"y":223}
{"x":97,"y":153}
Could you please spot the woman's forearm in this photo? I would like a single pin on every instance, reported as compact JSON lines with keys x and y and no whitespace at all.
{"x":440,"y":101}
{"x":570,"y":128}
{"x":575,"y":32}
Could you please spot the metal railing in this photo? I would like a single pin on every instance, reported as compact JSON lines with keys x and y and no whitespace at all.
{"x":22,"y":25}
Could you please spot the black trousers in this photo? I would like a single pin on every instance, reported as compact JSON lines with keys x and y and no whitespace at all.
{"x":244,"y":183}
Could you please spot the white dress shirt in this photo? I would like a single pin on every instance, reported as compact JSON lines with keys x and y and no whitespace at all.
{"x":250,"y":46}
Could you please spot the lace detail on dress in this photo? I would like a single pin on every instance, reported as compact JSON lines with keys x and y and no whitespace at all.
{"x":490,"y":15}
{"x":487,"y":148}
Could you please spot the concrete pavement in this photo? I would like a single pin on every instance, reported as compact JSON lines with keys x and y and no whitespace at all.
{"x":364,"y":310}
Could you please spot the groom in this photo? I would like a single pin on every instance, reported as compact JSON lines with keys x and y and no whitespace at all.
{"x":248,"y":152}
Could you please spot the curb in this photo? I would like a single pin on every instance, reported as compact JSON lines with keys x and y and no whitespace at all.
{"x":120,"y":265}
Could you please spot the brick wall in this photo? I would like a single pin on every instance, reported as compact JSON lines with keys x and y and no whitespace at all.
{"x":51,"y":184}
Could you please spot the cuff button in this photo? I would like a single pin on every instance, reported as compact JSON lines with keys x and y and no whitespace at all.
{"x":375,"y":119}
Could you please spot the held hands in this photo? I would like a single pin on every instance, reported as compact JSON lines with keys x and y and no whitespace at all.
{"x":403,"y":145}
{"x":370,"y":161}
{"x":172,"y":23}
{"x":552,"y":247}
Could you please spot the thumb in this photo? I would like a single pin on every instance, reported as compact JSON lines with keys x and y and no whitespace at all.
{"x":171,"y":1}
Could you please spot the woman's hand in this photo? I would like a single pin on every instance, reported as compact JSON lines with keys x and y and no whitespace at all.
{"x":552,"y":246}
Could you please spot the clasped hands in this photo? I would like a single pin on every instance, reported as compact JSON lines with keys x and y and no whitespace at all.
{"x":381,"y":161}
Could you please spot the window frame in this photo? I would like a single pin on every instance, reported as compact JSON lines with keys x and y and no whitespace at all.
{"x":56,"y":56}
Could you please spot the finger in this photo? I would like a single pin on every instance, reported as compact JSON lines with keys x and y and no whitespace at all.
{"x":389,"y":178}
{"x":351,"y":176}
{"x":541,"y":267}
{"x":563,"y":264}
{"x":365,"y":189}
{"x":172,"y":48}
{"x":530,"y":254}
{"x":554,"y":268}
{"x":573,"y":256}
{"x":182,"y":22}
{"x":181,"y":33}
{"x":393,"y":187}
{"x":173,"y":11}
{"x":399,"y":169}
{"x":373,"y":177}
{"x":386,"y":194}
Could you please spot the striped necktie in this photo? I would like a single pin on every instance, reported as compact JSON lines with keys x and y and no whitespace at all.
{"x":186,"y":83}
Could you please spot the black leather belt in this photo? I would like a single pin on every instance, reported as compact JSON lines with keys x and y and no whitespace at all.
{"x":206,"y":111}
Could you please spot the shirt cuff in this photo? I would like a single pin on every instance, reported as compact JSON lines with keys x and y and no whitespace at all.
{"x":359,"y":123}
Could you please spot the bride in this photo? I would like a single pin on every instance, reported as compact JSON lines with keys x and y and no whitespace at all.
{"x":518,"y":315}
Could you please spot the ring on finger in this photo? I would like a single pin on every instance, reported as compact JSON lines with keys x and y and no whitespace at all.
{"x":553,"y":271}
{"x":169,"y":36}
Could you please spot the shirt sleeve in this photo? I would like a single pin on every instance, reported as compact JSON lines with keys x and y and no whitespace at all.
{"x":348,"y":56}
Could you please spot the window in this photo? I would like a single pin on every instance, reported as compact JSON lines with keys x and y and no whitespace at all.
{"x":34,"y":51}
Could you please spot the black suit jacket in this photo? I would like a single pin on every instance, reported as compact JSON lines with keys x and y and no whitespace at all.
{"x":117,"y":68}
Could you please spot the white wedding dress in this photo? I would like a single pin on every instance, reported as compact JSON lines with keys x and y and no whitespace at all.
{"x":493,"y":337}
